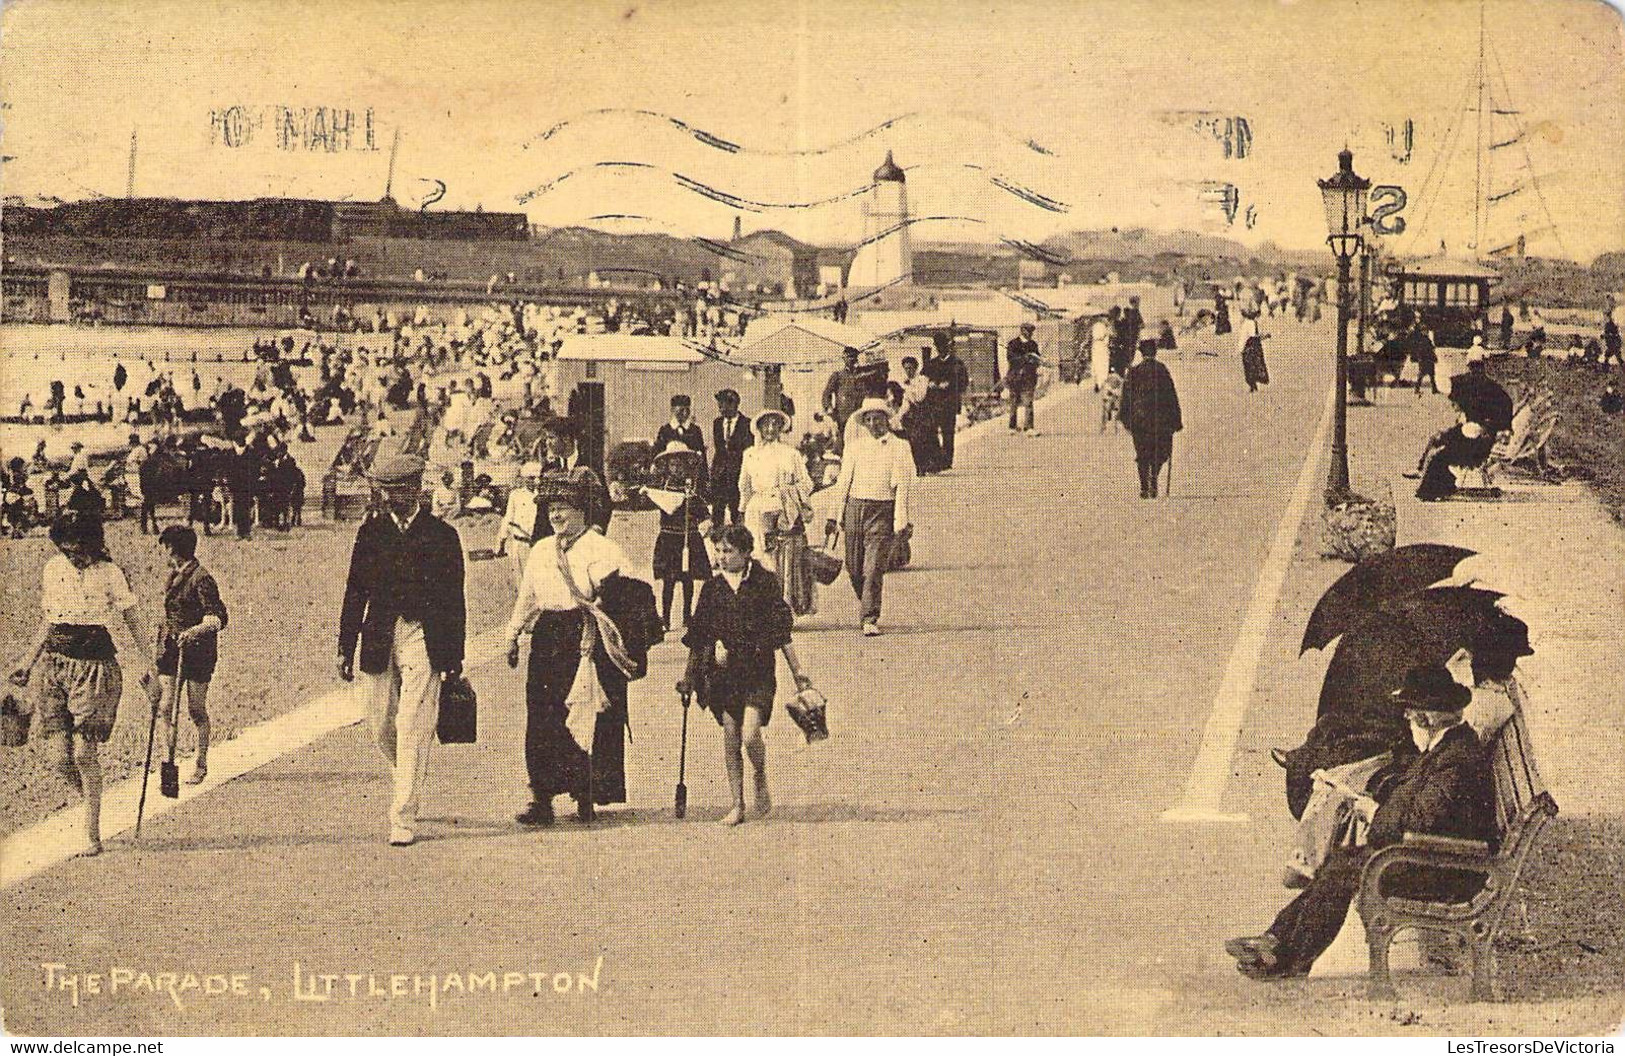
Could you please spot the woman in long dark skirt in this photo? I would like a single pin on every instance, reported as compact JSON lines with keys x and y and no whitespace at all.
{"x":1253,"y":368}
{"x":555,"y":606}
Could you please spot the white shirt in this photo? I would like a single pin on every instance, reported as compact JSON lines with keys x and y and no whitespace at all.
{"x":519,"y":520}
{"x":877,"y":470}
{"x":85,"y":596}
{"x":768,"y":468}
{"x":593,"y":558}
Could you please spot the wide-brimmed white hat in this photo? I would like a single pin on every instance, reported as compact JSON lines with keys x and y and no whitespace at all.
{"x":873,"y":405}
{"x":784,"y":419}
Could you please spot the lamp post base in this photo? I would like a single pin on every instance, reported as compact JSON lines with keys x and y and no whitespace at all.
{"x":1353,"y":527}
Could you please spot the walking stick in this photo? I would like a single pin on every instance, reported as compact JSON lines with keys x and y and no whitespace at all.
{"x":1168,"y":492}
{"x":680,"y":808}
{"x":146,"y":767}
{"x":169,"y":775}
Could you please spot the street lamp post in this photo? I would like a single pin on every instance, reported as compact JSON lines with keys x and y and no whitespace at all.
{"x":1344,"y":198}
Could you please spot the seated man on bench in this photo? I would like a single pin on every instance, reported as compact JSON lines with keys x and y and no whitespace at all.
{"x":1438,"y":784}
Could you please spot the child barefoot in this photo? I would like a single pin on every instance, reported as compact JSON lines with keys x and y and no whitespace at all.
{"x":741,"y":619}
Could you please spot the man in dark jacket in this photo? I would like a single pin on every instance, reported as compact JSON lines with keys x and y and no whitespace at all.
{"x":730,"y":435}
{"x":559,"y":454}
{"x":1022,"y":360}
{"x":241,"y":470}
{"x":403,"y":600}
{"x":1438,"y":784}
{"x":949,"y":379}
{"x":1426,"y":357}
{"x":846,"y":390}
{"x":1150,"y":412}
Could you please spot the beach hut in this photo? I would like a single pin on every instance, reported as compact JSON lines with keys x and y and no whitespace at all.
{"x":618,"y":387}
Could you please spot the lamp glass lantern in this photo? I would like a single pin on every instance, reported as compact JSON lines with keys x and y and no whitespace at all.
{"x":1344,"y":198}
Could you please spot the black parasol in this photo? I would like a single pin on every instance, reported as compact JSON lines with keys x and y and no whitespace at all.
{"x":1482,"y":400}
{"x":1374,"y":583}
{"x":1357,"y":716}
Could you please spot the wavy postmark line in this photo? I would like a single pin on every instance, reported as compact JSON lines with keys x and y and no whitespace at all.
{"x":753,"y":205}
{"x":711,"y":139}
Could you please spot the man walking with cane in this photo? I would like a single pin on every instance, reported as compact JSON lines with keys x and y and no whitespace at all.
{"x":403,"y":601}
{"x":1150,"y":412}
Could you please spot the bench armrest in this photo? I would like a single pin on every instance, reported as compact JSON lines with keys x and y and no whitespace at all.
{"x":1440,"y":852}
{"x":1448,"y":844}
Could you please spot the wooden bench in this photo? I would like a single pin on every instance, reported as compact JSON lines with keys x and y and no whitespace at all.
{"x":1523,"y":808}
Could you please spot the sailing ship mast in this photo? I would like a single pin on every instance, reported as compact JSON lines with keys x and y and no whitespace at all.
{"x":1498,"y":128}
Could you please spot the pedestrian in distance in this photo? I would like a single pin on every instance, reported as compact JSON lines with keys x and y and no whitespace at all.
{"x":741,"y":621}
{"x":1151,"y":414}
{"x":679,"y":549}
{"x":873,"y":494}
{"x":730,"y":436}
{"x":1021,"y":380}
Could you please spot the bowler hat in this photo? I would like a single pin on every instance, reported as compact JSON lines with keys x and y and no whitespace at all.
{"x":397,"y":469}
{"x":1429,"y":687}
{"x":727,"y":396}
{"x":680,"y":400}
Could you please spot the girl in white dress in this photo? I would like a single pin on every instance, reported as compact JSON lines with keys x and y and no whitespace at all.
{"x":775,"y":493}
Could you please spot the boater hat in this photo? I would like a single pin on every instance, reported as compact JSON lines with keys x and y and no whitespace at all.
{"x":1429,"y":687}
{"x":784,"y":419}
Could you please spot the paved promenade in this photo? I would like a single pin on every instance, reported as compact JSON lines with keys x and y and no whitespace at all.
{"x":981,"y":847}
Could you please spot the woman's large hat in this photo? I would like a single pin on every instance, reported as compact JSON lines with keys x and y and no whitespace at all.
{"x":565,"y":490}
{"x":678,"y":454}
{"x":873,"y":405}
{"x":784,"y":419}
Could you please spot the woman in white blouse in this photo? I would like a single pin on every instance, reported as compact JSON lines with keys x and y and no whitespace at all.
{"x":555,"y":609}
{"x":72,"y":665}
{"x":773,"y":483}
{"x":775,"y":494}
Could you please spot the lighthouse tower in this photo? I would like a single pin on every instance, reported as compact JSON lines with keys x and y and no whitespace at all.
{"x":889,"y":257}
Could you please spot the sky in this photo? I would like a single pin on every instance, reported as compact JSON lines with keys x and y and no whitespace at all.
{"x":1127,"y":103}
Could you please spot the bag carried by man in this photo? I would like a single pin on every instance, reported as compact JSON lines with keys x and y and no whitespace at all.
{"x":459,"y":712}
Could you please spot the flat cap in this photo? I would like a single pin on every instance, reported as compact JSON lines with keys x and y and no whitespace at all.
{"x":397,"y":469}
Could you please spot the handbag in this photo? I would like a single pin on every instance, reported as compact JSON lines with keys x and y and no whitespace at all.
{"x":807,"y":711}
{"x":900,"y":554}
{"x":14,"y":722}
{"x":825,"y":566}
{"x":459,"y":712}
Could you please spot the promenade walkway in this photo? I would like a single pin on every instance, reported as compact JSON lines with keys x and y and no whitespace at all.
{"x":981,"y":846}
